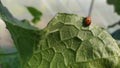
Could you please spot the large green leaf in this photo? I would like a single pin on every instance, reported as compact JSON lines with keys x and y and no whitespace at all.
{"x":64,"y":43}
{"x":25,"y":36}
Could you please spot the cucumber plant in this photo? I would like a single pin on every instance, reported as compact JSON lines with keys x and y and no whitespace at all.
{"x":64,"y":43}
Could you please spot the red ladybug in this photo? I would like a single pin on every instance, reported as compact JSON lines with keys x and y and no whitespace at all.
{"x":87,"y":21}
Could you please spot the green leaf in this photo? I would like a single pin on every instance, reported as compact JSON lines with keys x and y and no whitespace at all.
{"x":24,"y":36}
{"x":64,"y":43}
{"x":116,"y":34}
{"x":9,"y":60}
{"x":26,"y":21}
{"x":116,"y":4}
{"x":35,"y":13}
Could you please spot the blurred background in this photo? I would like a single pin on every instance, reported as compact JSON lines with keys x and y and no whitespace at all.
{"x":105,"y":13}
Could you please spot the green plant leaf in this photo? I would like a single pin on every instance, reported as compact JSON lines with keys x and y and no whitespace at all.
{"x":35,"y":13}
{"x":116,"y":4}
{"x":21,"y":32}
{"x":25,"y":21}
{"x":116,"y":34}
{"x":9,"y":60}
{"x":64,"y":43}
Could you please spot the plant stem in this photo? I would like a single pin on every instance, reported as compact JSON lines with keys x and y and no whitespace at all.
{"x":91,"y":8}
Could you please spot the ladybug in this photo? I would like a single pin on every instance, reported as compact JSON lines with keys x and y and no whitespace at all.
{"x":87,"y":21}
